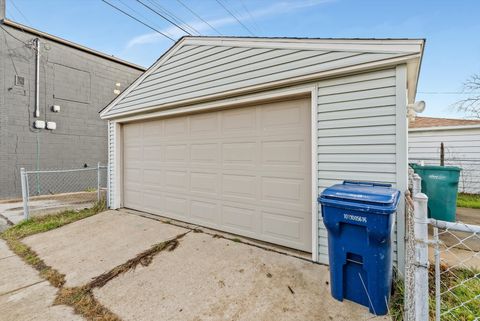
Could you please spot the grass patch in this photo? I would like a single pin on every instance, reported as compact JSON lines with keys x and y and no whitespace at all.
{"x":49,"y":222}
{"x":460,"y":290}
{"x":460,"y":303}
{"x":84,"y":303}
{"x":397,"y":300}
{"x":468,"y":200}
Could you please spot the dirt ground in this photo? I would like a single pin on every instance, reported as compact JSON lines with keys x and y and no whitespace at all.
{"x":205,"y":277}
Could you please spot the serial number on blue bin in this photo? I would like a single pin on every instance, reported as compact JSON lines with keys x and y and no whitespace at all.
{"x":355,"y":218}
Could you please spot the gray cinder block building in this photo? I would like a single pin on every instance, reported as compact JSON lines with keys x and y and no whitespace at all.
{"x":46,"y":81}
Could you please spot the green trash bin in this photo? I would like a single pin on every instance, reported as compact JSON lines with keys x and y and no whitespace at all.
{"x":440,"y":184}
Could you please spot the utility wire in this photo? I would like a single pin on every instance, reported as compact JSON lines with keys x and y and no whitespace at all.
{"x":11,"y":35}
{"x":20,"y":11}
{"x":199,"y":17}
{"x":257,"y":26}
{"x":138,"y":20}
{"x":10,"y":52}
{"x":174,"y":17}
{"x":144,"y":17}
{"x":236,"y":18}
{"x":10,"y":12}
{"x":165,"y":18}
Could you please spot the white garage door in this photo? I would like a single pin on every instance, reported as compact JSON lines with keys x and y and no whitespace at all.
{"x":245,"y":170}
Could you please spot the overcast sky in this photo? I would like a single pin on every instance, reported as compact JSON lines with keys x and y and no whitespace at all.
{"x":452,"y":29}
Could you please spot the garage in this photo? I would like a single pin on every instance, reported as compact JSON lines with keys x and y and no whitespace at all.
{"x":244,"y":170}
{"x":242,"y":134}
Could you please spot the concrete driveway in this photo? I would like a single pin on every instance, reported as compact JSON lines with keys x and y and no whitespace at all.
{"x":206,"y":277}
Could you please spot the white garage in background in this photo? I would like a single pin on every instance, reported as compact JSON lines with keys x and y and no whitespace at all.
{"x":461,"y":140}
{"x":242,"y":134}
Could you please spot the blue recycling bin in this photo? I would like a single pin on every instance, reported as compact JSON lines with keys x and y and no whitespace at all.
{"x":359,"y":220}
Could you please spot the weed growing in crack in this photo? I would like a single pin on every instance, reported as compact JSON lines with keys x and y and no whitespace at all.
{"x":84,"y":303}
{"x":144,"y":258}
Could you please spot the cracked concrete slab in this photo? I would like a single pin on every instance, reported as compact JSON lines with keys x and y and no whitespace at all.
{"x":4,"y":224}
{"x":35,"y":303}
{"x":207,"y":278}
{"x":24,"y":295}
{"x":92,"y":246}
{"x":4,"y":250}
{"x":15,"y":274}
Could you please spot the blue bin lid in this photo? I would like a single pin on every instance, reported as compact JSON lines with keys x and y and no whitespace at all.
{"x":368,"y":196}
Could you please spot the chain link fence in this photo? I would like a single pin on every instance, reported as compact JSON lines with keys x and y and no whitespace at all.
{"x":456,"y":251}
{"x":442,"y":270}
{"x":46,"y":191}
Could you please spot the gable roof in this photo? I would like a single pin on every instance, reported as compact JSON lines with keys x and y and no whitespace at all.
{"x":430,"y":122}
{"x":201,"y":68}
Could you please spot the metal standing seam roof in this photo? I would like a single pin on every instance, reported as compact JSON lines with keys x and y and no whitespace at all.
{"x":197,"y":68}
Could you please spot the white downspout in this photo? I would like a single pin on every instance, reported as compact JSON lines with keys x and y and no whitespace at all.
{"x":37,"y":77}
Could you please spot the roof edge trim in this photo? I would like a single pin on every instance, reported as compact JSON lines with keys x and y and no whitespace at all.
{"x":297,"y":80}
{"x":71,"y":44}
{"x":353,"y":45}
{"x":132,"y":86}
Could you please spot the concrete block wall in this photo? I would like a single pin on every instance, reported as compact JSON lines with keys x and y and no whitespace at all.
{"x":79,"y":82}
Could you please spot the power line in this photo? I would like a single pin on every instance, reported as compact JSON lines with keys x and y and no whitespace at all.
{"x":9,"y":12}
{"x":249,"y":14}
{"x":11,"y":35}
{"x":10,"y":52}
{"x":144,"y":17}
{"x":199,"y":17}
{"x":161,"y":15}
{"x":235,"y":17}
{"x":20,"y":11}
{"x":174,"y":17}
{"x":138,"y":20}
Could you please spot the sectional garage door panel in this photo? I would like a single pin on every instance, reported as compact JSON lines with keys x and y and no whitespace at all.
{"x":245,"y":170}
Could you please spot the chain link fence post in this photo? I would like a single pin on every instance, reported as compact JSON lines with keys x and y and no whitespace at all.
{"x":417,"y":184}
{"x":108,"y":186}
{"x":421,"y":257}
{"x":409,"y":296}
{"x":98,"y":182}
{"x":24,"y":181}
{"x":437,"y":273}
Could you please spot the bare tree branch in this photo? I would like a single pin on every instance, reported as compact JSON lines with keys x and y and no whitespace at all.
{"x":470,"y":106}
